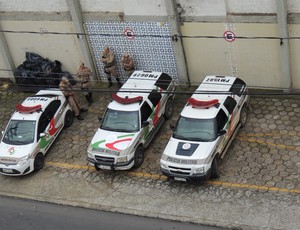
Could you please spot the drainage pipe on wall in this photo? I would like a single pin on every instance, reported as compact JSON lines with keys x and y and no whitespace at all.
{"x":281,"y":6}
{"x":75,"y":11}
{"x":9,"y":63}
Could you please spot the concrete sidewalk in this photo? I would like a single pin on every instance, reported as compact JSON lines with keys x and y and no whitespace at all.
{"x":259,"y":187}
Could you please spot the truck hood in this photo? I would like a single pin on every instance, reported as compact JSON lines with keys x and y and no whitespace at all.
{"x":14,"y":151}
{"x":116,"y":141}
{"x":192,"y":150}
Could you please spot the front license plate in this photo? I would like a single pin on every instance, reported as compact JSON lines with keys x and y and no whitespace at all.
{"x":179,"y":179}
{"x":105,"y":167}
{"x":7,"y":170}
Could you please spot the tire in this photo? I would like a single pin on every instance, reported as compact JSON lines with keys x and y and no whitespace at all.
{"x":215,"y":173}
{"x":243,"y":116}
{"x":69,"y":118}
{"x":139,"y":156}
{"x":97,"y":168}
{"x":169,"y":109}
{"x":38,"y":162}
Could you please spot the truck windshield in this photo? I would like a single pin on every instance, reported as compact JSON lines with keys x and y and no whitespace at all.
{"x":195,"y":129}
{"x":120,"y":121}
{"x":19,"y":132}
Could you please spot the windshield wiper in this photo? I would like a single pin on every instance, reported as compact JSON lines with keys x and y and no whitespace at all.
{"x":21,"y":142}
{"x":7,"y":141}
{"x":122,"y":130}
{"x":180,"y":137}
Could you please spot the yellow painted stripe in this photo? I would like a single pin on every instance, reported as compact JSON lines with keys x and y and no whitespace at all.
{"x":282,"y":146}
{"x":164,"y":178}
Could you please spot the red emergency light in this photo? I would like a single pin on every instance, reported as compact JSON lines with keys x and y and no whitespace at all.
{"x":28,"y":109}
{"x":202,"y":104}
{"x":126,"y":100}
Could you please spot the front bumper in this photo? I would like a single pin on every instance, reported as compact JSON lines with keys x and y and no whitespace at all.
{"x":107,"y":165}
{"x":181,"y":177}
{"x":14,"y":170}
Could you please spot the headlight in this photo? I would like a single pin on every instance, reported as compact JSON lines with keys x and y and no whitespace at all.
{"x":122,"y":159}
{"x":22,"y":161}
{"x":163,"y":165}
{"x":199,"y":170}
{"x":90,"y":155}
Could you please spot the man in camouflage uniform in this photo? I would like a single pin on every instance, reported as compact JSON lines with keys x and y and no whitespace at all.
{"x":127,"y":64}
{"x":67,"y":89}
{"x":84,"y":75}
{"x":108,"y":59}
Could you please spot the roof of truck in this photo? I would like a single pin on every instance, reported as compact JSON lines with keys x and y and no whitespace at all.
{"x":212,"y":92}
{"x":139,"y":85}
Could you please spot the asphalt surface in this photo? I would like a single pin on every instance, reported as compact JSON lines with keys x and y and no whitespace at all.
{"x":259,"y":187}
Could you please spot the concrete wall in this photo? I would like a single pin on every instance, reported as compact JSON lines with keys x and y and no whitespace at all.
{"x":64,"y":48}
{"x":256,"y":61}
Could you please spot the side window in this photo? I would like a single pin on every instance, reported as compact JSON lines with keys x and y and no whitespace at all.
{"x":238,"y":87}
{"x":154,"y":97}
{"x":43,"y":123}
{"x":52,"y":108}
{"x":221,"y":119}
{"x":230,"y":104}
{"x":164,"y":81}
{"x":47,"y":116}
{"x":145,"y":111}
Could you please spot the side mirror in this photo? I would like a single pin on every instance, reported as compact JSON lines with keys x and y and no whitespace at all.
{"x":145,"y":123}
{"x":42,"y":134}
{"x":100,"y":119}
{"x":172,"y":127}
{"x":222,"y":132}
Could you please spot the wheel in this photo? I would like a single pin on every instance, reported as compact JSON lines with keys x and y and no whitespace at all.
{"x":139,"y":157}
{"x":215,"y":173}
{"x":38,"y":162}
{"x":69,"y":118}
{"x":243,"y":116}
{"x":97,"y":168}
{"x":169,"y":109}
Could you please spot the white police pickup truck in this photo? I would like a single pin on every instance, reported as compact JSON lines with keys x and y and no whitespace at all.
{"x":131,"y":121}
{"x":207,"y":125}
{"x":32,"y":129}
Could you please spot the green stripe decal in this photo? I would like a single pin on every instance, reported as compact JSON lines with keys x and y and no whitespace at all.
{"x":96,"y":144}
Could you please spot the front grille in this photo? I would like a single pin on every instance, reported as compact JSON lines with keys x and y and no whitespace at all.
{"x":100,"y":159}
{"x":180,"y":171}
{"x":8,"y":161}
{"x":12,"y":172}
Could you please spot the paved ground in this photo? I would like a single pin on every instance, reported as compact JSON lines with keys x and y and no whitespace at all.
{"x":259,"y":187}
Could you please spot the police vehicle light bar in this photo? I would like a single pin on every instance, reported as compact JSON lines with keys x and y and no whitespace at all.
{"x":127,"y":100}
{"x":203,"y":104}
{"x":28,"y":109}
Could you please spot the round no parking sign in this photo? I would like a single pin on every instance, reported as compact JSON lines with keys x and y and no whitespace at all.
{"x":229,"y":36}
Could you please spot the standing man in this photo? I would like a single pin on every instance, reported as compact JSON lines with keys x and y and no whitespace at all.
{"x":84,"y":75}
{"x":108,"y":59}
{"x":127,"y":64}
{"x":67,"y":89}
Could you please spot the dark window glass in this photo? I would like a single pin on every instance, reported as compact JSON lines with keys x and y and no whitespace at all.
{"x":47,"y":115}
{"x":163,"y":81}
{"x":230,"y":104}
{"x":145,"y":112}
{"x":154,"y":97}
{"x":221,"y":119}
{"x":238,"y":87}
